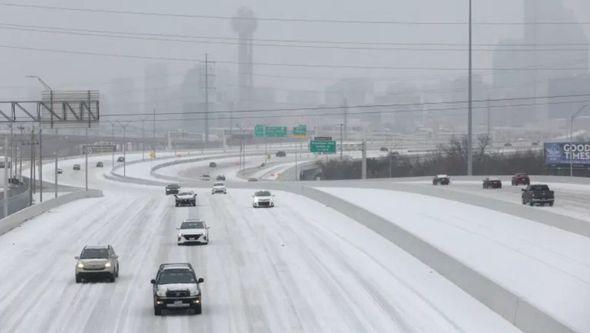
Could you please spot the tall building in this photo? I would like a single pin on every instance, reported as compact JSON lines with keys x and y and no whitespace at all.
{"x":122,"y":98}
{"x":244,"y":24}
{"x":157,"y":92}
{"x":539,"y":42}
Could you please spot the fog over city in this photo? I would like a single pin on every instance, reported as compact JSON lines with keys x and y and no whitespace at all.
{"x":146,"y":55}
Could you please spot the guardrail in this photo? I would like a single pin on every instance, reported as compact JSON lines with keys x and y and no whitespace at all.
{"x":14,"y":220}
{"x":18,"y":198}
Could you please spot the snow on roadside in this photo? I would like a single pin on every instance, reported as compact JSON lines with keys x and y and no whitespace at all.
{"x":546,"y":266}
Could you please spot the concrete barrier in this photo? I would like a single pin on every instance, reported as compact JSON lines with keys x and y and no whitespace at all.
{"x":510,"y":306}
{"x":20,"y":217}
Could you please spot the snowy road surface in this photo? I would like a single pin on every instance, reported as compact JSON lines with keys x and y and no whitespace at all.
{"x":547,"y":267}
{"x":300,"y":267}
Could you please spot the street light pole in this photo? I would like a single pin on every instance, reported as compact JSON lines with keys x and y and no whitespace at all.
{"x":124,"y":149}
{"x":470,"y":103}
{"x":572,"y":118}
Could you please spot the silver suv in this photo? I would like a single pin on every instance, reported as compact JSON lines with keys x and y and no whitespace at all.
{"x":97,"y":262}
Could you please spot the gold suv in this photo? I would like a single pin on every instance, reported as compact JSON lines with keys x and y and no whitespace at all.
{"x":97,"y":262}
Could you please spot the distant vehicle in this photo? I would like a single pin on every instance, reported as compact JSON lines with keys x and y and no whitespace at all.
{"x":441,"y":180}
{"x":535,"y":143}
{"x":193,"y":231}
{"x":176,"y":287}
{"x":186,"y":199}
{"x":520,"y":179}
{"x":96,"y":262}
{"x":538,"y":194}
{"x":220,"y":178}
{"x":59,"y":171}
{"x":99,"y":164}
{"x":76,"y":167}
{"x":219,"y":188}
{"x":212,"y":165}
{"x":492,"y":183}
{"x":2,"y":163}
{"x":384,"y":149}
{"x":205,"y":178}
{"x":172,"y":189}
{"x":121,"y":159}
{"x":262,"y":199}
{"x":252,"y":179}
{"x":507,"y":144}
{"x":281,"y":153}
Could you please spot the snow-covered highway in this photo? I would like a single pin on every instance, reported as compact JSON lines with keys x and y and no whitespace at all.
{"x":300,"y":267}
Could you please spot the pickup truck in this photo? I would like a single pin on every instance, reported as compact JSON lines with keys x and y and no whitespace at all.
{"x":538,"y":194}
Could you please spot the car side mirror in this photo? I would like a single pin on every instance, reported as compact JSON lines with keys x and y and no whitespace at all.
{"x":152,"y":281}
{"x":200,"y":280}
{"x":77,"y":257}
{"x":207,"y":227}
{"x":115,"y":257}
{"x":522,"y":189}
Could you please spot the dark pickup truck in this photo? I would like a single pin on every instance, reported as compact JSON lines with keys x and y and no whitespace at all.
{"x":538,"y":194}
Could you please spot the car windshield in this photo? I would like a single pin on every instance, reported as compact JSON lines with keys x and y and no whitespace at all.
{"x":94,"y":254}
{"x":170,"y":276}
{"x":262,"y":194}
{"x":540,"y":188}
{"x":173,"y":186}
{"x":186,"y":193}
{"x":192,"y":225}
{"x":218,"y":184}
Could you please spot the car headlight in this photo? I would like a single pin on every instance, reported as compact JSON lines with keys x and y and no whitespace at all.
{"x":80,"y":265}
{"x":108,"y":264}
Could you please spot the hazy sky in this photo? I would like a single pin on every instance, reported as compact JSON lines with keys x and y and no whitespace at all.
{"x":66,"y":71}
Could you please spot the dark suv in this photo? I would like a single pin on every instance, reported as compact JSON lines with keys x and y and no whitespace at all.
{"x":538,"y":194}
{"x":176,"y":287}
{"x":172,"y":189}
{"x":521,"y":179}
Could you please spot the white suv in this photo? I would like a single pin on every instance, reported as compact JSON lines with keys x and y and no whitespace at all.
{"x":262,"y":199}
{"x":219,"y":188}
{"x":193,"y":231}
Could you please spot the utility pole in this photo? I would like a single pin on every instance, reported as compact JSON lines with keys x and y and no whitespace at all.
{"x":341,"y":141}
{"x":124,"y":149}
{"x":345,"y":120}
{"x":572,"y":118}
{"x":206,"y":99}
{"x":40,"y":165}
{"x":5,"y":176}
{"x":143,"y":139}
{"x":32,"y":167}
{"x":470,"y":103}
{"x":86,"y":168}
{"x":56,"y":174}
{"x":489,"y":118}
{"x":364,"y":161}
{"x":154,"y":134}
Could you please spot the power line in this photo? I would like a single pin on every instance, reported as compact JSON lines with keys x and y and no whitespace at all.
{"x":369,"y":112}
{"x":360,"y":106}
{"x":420,"y":47}
{"x":292,"y":65}
{"x":278,"y":19}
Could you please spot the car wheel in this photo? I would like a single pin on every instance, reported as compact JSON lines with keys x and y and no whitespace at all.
{"x":198,"y":309}
{"x":177,"y":204}
{"x":112,"y":278}
{"x":78,"y":279}
{"x":531,"y":203}
{"x":157,"y":311}
{"x":551,"y":204}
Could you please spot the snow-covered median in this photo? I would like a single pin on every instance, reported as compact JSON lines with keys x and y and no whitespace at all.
{"x":545,"y":266}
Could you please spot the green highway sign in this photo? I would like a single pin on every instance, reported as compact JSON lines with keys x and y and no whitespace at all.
{"x":259,"y":131}
{"x":300,"y":131}
{"x":275,"y":131}
{"x":322,"y":146}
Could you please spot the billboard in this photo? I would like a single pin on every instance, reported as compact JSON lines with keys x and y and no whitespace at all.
{"x":564,"y":153}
